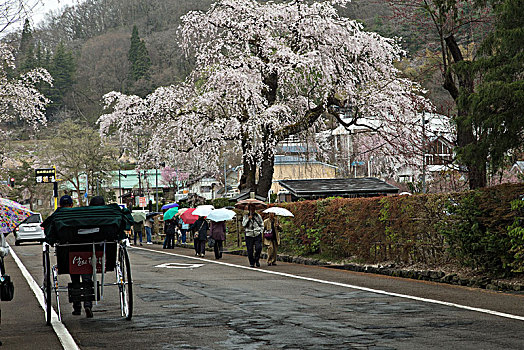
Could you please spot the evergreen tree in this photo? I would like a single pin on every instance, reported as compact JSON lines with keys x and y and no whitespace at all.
{"x":26,"y":56}
{"x":139,"y":57}
{"x":62,"y":68}
{"x":497,"y":105}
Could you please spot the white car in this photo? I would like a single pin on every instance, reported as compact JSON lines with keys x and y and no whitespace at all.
{"x":30,"y":230}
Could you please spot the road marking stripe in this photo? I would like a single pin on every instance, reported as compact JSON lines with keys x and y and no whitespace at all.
{"x":61,"y":331}
{"x":377,"y":291}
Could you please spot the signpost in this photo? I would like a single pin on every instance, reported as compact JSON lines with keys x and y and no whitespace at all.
{"x":45,"y":175}
{"x":48,"y":175}
{"x":142,"y":202}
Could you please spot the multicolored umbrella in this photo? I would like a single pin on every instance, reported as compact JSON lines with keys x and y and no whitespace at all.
{"x":11,"y":215}
{"x":222,"y":214}
{"x":168,"y":215}
{"x":188,"y":216}
{"x":169,"y":206}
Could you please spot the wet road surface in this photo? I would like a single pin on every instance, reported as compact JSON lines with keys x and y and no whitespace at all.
{"x":183,"y":302}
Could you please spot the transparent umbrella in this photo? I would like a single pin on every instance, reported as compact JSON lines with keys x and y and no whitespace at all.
{"x":221,"y":215}
{"x":278,"y":211}
{"x":203,"y":210}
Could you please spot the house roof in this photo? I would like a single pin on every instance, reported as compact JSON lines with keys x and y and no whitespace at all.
{"x":338,"y":187}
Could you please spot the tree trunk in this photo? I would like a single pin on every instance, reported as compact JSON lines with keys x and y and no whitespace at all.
{"x":476,"y":168}
{"x":265,"y":174}
{"x":247,"y":180}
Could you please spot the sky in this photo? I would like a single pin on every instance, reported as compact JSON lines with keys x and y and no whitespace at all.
{"x":45,"y":6}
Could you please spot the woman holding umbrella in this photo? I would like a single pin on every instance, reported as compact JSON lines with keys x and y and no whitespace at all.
{"x":217,"y":229}
{"x":272,"y":232}
{"x":271,"y":238}
{"x":253,"y":225}
{"x":200,"y":227}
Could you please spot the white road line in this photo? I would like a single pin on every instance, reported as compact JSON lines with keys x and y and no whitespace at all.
{"x":68,"y":343}
{"x":377,"y":291}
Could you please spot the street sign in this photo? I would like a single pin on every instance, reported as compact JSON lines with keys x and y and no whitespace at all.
{"x":45,"y":175}
{"x":142,"y":202}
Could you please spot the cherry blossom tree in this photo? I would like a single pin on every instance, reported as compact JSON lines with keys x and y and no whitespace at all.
{"x":265,"y":71}
{"x":19,"y":97}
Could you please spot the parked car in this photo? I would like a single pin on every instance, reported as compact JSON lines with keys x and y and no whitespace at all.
{"x":30,"y":230}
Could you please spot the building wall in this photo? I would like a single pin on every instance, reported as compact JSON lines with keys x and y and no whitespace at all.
{"x":301,"y":172}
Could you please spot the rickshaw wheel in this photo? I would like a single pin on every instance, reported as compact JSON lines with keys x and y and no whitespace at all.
{"x":126,"y":283}
{"x":47,"y":284}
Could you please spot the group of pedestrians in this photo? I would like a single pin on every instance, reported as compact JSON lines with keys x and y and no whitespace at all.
{"x":139,"y":228}
{"x":258,"y":232}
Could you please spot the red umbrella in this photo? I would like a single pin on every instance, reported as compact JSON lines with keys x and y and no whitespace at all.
{"x":188,"y":217}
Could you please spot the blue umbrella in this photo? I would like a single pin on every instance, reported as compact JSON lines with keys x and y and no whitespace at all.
{"x":221,"y":215}
{"x":170,"y":205}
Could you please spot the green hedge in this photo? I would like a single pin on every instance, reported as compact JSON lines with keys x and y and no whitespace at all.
{"x":479,"y":229}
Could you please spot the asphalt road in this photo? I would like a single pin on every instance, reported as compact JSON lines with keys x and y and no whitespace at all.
{"x":184,"y":302}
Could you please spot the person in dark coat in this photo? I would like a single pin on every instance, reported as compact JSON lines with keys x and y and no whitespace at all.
{"x":217,"y":231}
{"x":200,"y":227}
{"x":170,"y":230}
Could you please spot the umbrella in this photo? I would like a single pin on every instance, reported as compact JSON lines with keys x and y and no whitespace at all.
{"x":168,"y":215}
{"x":188,"y":217}
{"x":246,"y":203}
{"x":203,"y":210}
{"x":221,"y":215}
{"x":182,"y":211}
{"x":11,"y":215}
{"x":153,"y":213}
{"x":169,"y":206}
{"x":138,"y":216}
{"x":278,"y":211}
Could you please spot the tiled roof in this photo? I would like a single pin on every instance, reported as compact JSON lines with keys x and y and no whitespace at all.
{"x":337,"y":187}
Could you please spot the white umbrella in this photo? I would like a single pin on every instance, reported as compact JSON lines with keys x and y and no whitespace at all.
{"x":203,"y":210}
{"x":278,"y":211}
{"x":222,"y":214}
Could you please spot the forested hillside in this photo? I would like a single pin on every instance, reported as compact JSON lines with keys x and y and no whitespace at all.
{"x":88,"y":49}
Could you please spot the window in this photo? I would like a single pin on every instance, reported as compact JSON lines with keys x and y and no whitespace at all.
{"x":205,"y":189}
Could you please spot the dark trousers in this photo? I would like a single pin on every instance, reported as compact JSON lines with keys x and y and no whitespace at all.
{"x":183,"y":235}
{"x":256,"y":243}
{"x":218,"y":249}
{"x":169,"y":242}
{"x":75,"y":279}
{"x":200,"y":246}
{"x":139,"y":233}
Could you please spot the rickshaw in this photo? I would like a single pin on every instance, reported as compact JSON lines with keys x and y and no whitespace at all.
{"x":87,"y":240}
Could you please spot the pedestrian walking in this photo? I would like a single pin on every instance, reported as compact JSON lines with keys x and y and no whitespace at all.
{"x":170,"y":231}
{"x":137,"y":230}
{"x":217,"y":231}
{"x":253,"y":226}
{"x":148,"y":225}
{"x":200,"y":227}
{"x":272,"y":238}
